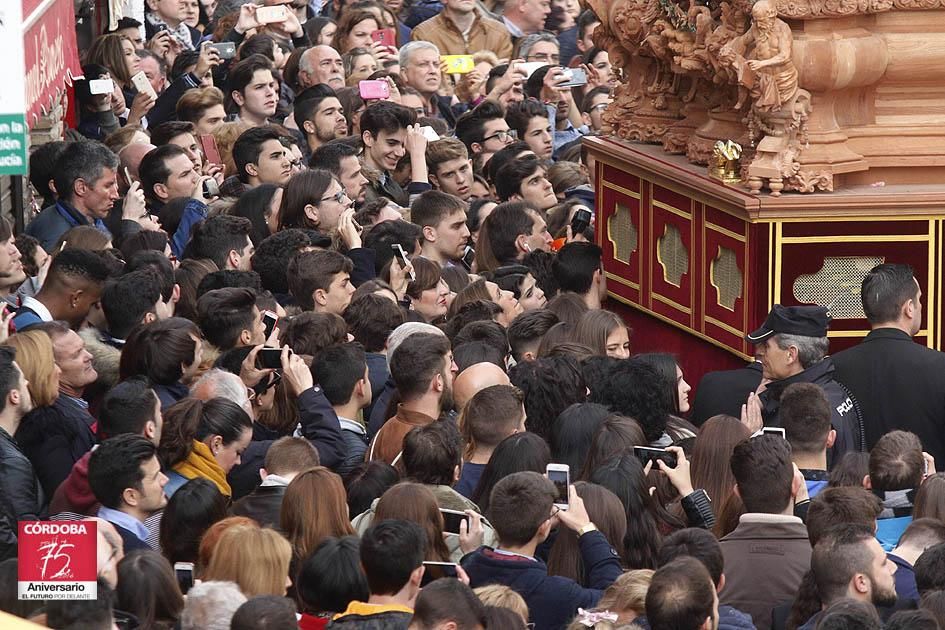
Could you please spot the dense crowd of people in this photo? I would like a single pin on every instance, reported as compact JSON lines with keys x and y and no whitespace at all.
{"x":312,"y":329}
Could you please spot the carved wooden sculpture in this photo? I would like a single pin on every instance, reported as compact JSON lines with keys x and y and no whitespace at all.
{"x":821,"y":93}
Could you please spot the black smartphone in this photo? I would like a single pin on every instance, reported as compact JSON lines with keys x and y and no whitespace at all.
{"x":269,"y":358}
{"x":185,"y":575}
{"x":580,"y":221}
{"x":227,"y":50}
{"x":437,"y":570}
{"x":646,"y":454}
{"x":452,"y":520}
{"x":270,"y":319}
{"x":469,"y":255}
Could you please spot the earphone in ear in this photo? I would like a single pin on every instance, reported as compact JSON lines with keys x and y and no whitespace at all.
{"x":526,"y":247}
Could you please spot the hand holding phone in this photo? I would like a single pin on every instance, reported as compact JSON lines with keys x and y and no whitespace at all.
{"x":269,"y":358}
{"x":452,"y":520}
{"x":646,"y":454}
{"x":271,"y":15}
{"x":404,"y":262}
{"x":227,"y":50}
{"x":385,"y":37}
{"x":141,"y":83}
{"x":101,"y":86}
{"x":458,"y":64}
{"x":208,"y":144}
{"x":574,"y":77}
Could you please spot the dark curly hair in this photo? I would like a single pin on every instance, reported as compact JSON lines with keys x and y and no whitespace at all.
{"x":634,"y":389}
{"x":551,"y":385}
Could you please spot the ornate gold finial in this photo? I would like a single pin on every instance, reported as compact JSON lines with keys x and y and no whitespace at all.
{"x":725,"y":162}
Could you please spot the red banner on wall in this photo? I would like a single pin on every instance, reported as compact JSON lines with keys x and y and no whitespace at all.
{"x":51,"y":52}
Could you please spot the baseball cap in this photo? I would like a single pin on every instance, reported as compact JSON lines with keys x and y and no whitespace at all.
{"x":805,"y":321}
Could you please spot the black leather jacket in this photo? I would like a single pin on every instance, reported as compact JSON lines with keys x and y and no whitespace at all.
{"x":21,"y":497}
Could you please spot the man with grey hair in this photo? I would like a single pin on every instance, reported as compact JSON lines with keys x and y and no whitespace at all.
{"x":217,"y":383}
{"x":420,"y":69}
{"x":321,"y":64}
{"x":460,"y":29}
{"x":211,"y":605}
{"x":86,"y":179}
{"x":543,"y":47}
{"x":792,"y":345}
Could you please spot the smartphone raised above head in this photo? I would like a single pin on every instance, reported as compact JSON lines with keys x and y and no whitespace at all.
{"x":208,"y":145}
{"x":141,"y":83}
{"x":574,"y":77}
{"x":404,"y":262}
{"x":560,"y":475}
{"x":101,"y":86}
{"x":271,"y":15}
{"x":458,"y":64}
{"x":227,"y":50}
{"x":374,"y":90}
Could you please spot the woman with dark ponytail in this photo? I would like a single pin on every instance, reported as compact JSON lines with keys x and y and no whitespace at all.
{"x":203,"y":439}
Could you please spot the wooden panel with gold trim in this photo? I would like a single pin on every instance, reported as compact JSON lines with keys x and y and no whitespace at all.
{"x":672,"y":255}
{"x":712,"y":261}
{"x":619,"y":221}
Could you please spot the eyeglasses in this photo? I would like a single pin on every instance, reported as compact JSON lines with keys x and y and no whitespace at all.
{"x":503,"y":136}
{"x":550,"y":58}
{"x":600,"y":107}
{"x":337,"y":197}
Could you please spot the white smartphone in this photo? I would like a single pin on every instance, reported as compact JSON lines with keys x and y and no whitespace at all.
{"x":530,"y":67}
{"x":560,"y":475}
{"x":141,"y":83}
{"x":101,"y":86}
{"x":779,"y":431}
{"x":403,"y":259}
{"x":429,"y":133}
{"x":269,"y":15}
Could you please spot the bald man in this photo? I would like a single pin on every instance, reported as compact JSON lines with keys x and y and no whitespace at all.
{"x":321,"y":64}
{"x":129,"y":215}
{"x":494,"y":413}
{"x":474,"y":379}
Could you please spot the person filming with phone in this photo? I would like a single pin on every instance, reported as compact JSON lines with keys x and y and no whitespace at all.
{"x":525,"y":507}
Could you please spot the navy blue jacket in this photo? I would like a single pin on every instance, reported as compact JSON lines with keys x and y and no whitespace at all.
{"x":378,"y":373}
{"x":55,"y":221}
{"x":54,"y":438}
{"x":552,"y":600}
{"x":380,"y":404}
{"x":319,"y":426}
